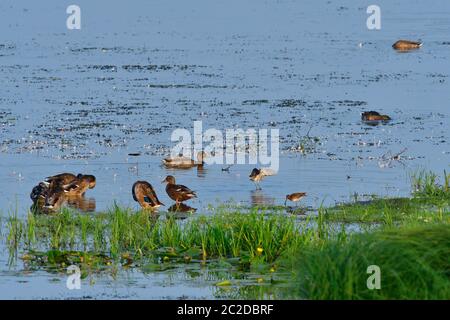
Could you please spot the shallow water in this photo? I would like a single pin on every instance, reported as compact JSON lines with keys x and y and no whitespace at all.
{"x":81,"y":101}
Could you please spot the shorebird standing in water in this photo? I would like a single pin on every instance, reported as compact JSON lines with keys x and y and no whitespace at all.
{"x":294,"y":197}
{"x":258,"y":174}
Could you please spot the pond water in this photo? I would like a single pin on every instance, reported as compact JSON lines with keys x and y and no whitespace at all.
{"x":83,"y":100}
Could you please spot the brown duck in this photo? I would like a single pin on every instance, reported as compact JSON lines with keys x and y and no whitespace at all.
{"x":184,"y":162}
{"x":258,"y":174}
{"x":144,"y":193}
{"x":47,"y":197}
{"x":406,"y":45}
{"x":55,"y":198}
{"x":178,"y":192}
{"x":374,"y":116}
{"x":294,"y":197}
{"x":79,"y":185}
{"x":38,"y":195}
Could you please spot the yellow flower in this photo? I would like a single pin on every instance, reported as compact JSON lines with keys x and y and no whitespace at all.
{"x":272,"y":269}
{"x":259,"y":250}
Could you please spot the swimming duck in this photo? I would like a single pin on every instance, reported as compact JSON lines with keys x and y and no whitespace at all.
{"x":144,"y":193}
{"x":374,"y":116}
{"x":181,"y":162}
{"x":405,"y":45}
{"x":258,"y":174}
{"x":79,"y":185}
{"x":178,"y":192}
{"x":294,"y":197}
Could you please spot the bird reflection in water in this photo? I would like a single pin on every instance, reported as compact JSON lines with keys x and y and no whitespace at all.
{"x":81,"y":203}
{"x":181,"y":207}
{"x":259,"y":198}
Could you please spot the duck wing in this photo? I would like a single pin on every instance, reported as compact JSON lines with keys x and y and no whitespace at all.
{"x":63,"y":178}
{"x":268,"y":172}
{"x":71,"y":186}
{"x":184,"y":190}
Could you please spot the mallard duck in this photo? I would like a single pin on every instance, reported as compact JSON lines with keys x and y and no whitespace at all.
{"x":38,"y":195}
{"x":294,"y":197}
{"x":374,"y":116}
{"x":55,"y":198}
{"x":144,"y":193}
{"x":79,"y":185}
{"x":405,"y":45}
{"x":181,"y":162}
{"x":258,"y":174}
{"x":178,"y":192}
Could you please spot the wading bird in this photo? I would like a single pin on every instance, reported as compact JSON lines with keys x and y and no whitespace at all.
{"x":258,"y":174}
{"x":144,"y":193}
{"x":294,"y":197}
{"x":178,"y":192}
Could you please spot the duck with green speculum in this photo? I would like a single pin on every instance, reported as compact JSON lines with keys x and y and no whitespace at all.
{"x":145,"y":195}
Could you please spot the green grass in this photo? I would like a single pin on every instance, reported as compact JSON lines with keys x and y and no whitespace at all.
{"x":414,"y":263}
{"x":252,"y":236}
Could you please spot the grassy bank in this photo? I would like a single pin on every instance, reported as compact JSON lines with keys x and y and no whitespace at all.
{"x":413,"y":260}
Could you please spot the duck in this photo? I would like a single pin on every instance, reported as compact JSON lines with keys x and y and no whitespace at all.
{"x":79,"y":185}
{"x":405,"y":45}
{"x":181,"y":162}
{"x":294,"y":197}
{"x":55,"y":198}
{"x":38,"y":195}
{"x":258,"y":174}
{"x":145,"y":195}
{"x":374,"y":116}
{"x":47,"y":197}
{"x":178,"y":192}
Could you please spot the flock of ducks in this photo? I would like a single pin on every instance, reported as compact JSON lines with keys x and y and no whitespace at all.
{"x":54,"y":191}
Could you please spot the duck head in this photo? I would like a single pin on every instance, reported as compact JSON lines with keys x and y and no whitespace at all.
{"x":169,"y":180}
{"x":88,"y":179}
